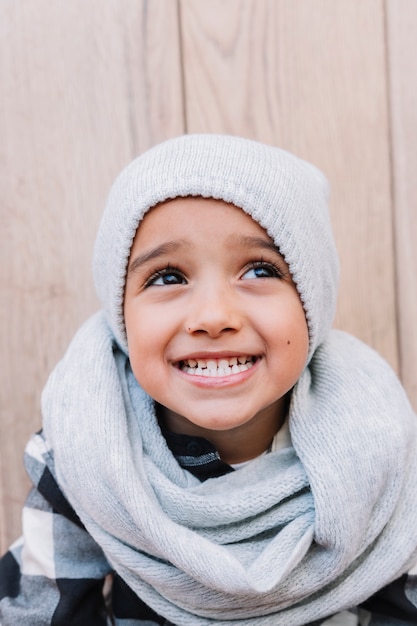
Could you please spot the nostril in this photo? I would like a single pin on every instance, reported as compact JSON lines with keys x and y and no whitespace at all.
{"x":212,"y":320}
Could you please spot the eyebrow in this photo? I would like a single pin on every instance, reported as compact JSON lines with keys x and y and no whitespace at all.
{"x":154,"y":253}
{"x":243,"y":241}
{"x":247,"y":241}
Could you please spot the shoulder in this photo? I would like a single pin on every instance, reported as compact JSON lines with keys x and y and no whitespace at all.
{"x":40,"y":466}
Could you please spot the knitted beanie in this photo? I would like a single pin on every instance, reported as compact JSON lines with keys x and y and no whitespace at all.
{"x":287,"y":196}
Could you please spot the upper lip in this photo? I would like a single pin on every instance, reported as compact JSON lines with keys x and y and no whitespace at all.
{"x":222,"y":354}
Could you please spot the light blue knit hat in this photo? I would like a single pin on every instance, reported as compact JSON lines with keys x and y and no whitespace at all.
{"x":284,"y":194}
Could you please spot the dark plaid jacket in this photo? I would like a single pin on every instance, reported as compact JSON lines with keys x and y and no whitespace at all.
{"x":56,"y":574}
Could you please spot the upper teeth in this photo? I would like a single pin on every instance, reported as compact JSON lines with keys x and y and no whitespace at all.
{"x":217,"y":367}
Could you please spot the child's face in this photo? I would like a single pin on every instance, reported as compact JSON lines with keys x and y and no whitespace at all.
{"x":216,"y":331}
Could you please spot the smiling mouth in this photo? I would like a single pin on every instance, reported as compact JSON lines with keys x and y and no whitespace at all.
{"x":217,"y":367}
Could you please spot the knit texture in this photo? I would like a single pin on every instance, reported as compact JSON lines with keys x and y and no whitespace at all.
{"x":285,"y":195}
{"x":294,"y":536}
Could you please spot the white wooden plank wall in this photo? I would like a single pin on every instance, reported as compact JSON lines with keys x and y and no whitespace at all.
{"x":87,"y":84}
{"x":402,"y":71}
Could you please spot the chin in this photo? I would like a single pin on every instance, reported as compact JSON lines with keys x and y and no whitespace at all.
{"x":216,"y":424}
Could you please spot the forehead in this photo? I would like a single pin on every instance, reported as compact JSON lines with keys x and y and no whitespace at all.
{"x":185,"y":217}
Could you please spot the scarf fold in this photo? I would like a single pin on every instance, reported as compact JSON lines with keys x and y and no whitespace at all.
{"x":289,"y":538}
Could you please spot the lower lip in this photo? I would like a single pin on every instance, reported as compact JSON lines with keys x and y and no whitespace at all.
{"x":220,"y":381}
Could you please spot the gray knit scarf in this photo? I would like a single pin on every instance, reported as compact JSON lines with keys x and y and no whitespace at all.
{"x":293,"y":536}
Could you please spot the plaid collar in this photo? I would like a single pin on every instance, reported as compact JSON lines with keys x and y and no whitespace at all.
{"x":197,"y":455}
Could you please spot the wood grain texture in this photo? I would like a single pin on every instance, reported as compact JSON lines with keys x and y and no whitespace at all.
{"x":309,"y":77}
{"x":402,"y":58}
{"x":84,"y":87}
{"x":87,"y":84}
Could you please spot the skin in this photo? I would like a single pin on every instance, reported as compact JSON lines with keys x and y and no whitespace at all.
{"x":206,"y":283}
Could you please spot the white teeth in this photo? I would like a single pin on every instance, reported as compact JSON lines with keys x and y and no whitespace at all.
{"x":214,"y":368}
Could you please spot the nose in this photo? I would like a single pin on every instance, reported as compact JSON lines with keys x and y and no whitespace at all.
{"x":213,"y":311}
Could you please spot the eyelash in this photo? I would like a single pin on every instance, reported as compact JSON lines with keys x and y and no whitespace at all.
{"x":277,"y":270}
{"x":166,"y":271}
{"x":171,"y":270}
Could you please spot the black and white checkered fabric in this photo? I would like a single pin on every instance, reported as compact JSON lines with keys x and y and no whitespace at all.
{"x":57,"y":574}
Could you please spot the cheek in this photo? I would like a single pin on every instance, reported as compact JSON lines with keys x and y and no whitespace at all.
{"x":142,"y":327}
{"x":147,"y":338}
{"x":139,"y":336}
{"x":298,"y":330}
{"x":299,"y":340}
{"x":145,"y":365}
{"x":288,"y":334}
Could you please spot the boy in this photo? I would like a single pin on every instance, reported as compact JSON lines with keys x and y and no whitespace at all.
{"x":208,"y":441}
